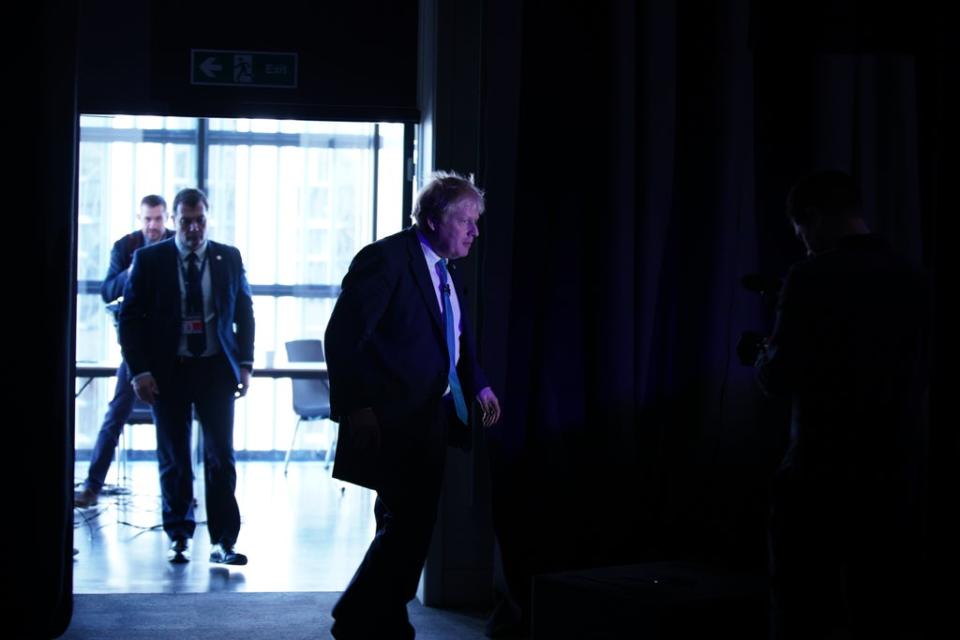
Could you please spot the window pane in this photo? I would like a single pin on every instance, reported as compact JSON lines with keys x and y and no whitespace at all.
{"x":299,"y":208}
{"x":297,"y":199}
{"x":390,"y":181}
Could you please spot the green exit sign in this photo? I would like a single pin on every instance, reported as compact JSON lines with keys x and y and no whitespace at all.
{"x":243,"y":68}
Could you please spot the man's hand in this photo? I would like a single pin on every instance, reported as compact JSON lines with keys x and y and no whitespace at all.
{"x":749,"y":347}
{"x":489,"y":405}
{"x":244,"y":385}
{"x":145,"y":386}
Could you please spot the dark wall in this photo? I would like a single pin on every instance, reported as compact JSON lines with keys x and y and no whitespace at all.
{"x":357,"y":60}
{"x":40,"y":199}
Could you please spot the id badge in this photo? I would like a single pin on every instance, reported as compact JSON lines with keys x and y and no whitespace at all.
{"x":192,"y":325}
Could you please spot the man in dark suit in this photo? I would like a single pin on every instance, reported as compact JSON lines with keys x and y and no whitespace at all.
{"x":849,"y":349}
{"x":186,"y":330}
{"x":403,"y":373}
{"x":153,"y":214}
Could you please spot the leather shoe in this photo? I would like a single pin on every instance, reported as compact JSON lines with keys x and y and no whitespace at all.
{"x":226,"y":554}
{"x":179,"y":552}
{"x":84,"y":498}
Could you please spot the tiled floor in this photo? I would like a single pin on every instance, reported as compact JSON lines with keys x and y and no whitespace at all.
{"x":302,"y":532}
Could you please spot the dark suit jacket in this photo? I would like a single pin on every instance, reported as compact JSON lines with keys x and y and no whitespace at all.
{"x":121,"y":256}
{"x":849,"y":348}
{"x":385,"y":343}
{"x":150,"y":317}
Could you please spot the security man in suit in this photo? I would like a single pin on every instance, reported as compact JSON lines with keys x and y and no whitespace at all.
{"x":187,"y":330}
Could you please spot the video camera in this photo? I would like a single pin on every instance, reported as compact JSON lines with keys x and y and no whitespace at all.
{"x":751,"y":343}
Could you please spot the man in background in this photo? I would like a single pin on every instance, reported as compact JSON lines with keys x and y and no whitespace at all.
{"x":152,"y":216}
{"x":849,"y":348}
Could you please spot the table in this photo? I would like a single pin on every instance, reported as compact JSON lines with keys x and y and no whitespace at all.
{"x":302,"y":370}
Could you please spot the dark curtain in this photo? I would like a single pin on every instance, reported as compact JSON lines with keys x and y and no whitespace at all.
{"x":656,"y":143}
{"x":39,"y":323}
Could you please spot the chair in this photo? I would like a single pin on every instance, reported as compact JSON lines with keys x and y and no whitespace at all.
{"x":141,"y":414}
{"x":311,"y":397}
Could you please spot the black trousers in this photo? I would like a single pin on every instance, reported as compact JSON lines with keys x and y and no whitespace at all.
{"x":374,"y":604}
{"x":208,"y":385}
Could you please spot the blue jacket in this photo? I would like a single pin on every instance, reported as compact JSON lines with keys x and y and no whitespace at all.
{"x":121,"y":257}
{"x":150,"y":317}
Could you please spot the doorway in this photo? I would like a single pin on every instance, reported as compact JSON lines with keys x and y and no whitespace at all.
{"x":299,"y":199}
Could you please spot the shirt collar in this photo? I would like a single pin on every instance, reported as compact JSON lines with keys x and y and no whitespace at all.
{"x":428,"y":251}
{"x":184,"y":252}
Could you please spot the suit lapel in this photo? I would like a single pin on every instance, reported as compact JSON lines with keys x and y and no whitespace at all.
{"x":171,"y":276}
{"x":418,"y":265}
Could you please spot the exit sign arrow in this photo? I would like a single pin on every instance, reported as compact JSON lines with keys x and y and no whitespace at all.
{"x":210,"y":67}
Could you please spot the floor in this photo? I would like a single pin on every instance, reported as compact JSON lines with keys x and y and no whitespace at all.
{"x":302,"y":532}
{"x":240,"y":616}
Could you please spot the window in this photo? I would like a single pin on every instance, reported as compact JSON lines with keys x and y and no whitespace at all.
{"x":298,"y":199}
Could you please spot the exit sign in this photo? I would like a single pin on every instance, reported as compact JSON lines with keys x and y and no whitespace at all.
{"x":243,"y":68}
